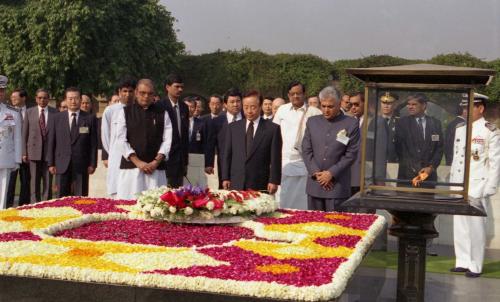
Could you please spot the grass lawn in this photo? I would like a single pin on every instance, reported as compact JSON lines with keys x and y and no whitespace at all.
{"x":438,"y":264}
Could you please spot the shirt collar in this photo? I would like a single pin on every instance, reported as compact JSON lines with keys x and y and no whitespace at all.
{"x":304,"y":107}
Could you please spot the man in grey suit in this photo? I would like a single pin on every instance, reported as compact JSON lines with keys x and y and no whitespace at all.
{"x":329,"y":148}
{"x":35,"y":134}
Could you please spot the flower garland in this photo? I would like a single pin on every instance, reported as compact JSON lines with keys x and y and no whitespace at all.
{"x":190,"y":203}
{"x":297,"y":255}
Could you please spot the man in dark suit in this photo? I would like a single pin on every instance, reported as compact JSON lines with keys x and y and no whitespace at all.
{"x":419,"y":143}
{"x":35,"y":145}
{"x":198,"y":132}
{"x":329,"y":148}
{"x":215,"y":106}
{"x":217,"y":131}
{"x":72,"y":145}
{"x":252,"y":154}
{"x":178,"y":112}
{"x":18,"y":100}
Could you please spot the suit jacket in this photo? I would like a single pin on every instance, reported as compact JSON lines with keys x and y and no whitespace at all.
{"x":323,"y":150}
{"x":179,"y":151}
{"x":81,"y":152}
{"x":199,"y":136}
{"x":449,"y":139}
{"x":415,"y":152}
{"x":262,"y":165}
{"x":33,"y":145}
{"x":217,"y":136}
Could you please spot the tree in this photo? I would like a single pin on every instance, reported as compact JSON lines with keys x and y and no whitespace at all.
{"x":87,"y":43}
{"x":246,"y":69}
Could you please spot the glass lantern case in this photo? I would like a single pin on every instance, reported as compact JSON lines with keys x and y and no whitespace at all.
{"x":415,"y":117}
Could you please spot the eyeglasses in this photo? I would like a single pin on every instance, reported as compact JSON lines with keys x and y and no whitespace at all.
{"x":145,"y":93}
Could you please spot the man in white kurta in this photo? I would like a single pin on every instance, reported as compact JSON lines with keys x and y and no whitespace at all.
{"x":10,"y":143}
{"x":144,"y":145}
{"x":109,"y":134}
{"x":292,"y":118}
{"x":484,"y":173}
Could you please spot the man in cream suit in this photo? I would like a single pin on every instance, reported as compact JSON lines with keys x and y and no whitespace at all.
{"x":10,"y":141}
{"x":292,"y":118}
{"x":470,"y":231}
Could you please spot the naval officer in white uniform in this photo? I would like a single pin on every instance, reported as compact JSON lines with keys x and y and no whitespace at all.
{"x":484,"y":173}
{"x":10,"y":141}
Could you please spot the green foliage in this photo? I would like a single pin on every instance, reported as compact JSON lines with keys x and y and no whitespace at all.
{"x":88,"y":43}
{"x":246,"y":69}
{"x":350,"y":84}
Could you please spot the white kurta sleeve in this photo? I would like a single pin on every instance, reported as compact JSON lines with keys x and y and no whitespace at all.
{"x":167,"y":137}
{"x":277,"y":117}
{"x":106,"y":128}
{"x":18,"y":138}
{"x":121,"y":135}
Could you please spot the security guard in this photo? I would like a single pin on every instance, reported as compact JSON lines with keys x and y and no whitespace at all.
{"x":484,"y":173}
{"x":387,"y":104}
{"x":10,"y":141}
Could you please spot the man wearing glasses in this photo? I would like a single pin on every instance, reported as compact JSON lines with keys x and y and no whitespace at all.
{"x":144,"y":131}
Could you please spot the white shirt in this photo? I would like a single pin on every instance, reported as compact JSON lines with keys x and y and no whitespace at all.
{"x":22,"y":111}
{"x":267,"y":117}
{"x":424,"y":122}
{"x":289,"y":118}
{"x":71,"y":117}
{"x":45,"y":113}
{"x":191,"y":125}
{"x":229,"y":117}
{"x":108,"y":125}
{"x":255,"y":125}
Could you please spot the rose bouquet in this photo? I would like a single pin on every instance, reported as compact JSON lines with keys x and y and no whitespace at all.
{"x":197,"y":205}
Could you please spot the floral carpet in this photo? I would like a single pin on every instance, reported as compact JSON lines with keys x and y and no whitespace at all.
{"x":300,"y":255}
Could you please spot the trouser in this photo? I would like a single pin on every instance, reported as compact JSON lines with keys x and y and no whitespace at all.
{"x":71,"y":182}
{"x":41,"y":181}
{"x":325,"y":204}
{"x":4,"y":184}
{"x":175,"y":181}
{"x":469,"y":237}
{"x":24,"y":178}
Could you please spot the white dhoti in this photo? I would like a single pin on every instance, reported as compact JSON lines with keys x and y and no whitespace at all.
{"x":114,"y":161}
{"x":293,"y":192}
{"x":470,"y":240}
{"x":133,"y":181}
{"x":4,"y":185}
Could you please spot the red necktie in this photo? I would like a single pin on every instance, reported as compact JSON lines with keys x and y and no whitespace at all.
{"x":43,"y":128}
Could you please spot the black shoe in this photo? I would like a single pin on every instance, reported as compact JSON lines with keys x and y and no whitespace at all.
{"x":459,"y":270}
{"x":472,"y":275}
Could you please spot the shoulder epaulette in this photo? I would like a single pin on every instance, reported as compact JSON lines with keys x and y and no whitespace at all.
{"x":490,"y":126}
{"x":461,"y":124}
{"x":13,"y":108}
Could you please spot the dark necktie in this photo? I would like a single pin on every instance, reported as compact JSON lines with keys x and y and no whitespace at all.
{"x":178,"y":117}
{"x":249,"y":139}
{"x":234,"y":119}
{"x":420,"y":121}
{"x":74,"y":128}
{"x":43,"y":128}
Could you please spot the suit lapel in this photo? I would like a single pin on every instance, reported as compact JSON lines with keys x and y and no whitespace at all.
{"x":259,"y":134}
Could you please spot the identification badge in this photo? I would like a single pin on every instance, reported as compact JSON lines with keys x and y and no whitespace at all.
{"x":198,"y":136}
{"x":435,"y":137}
{"x":342,"y":137}
{"x":475,"y":155}
{"x":84,"y":130}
